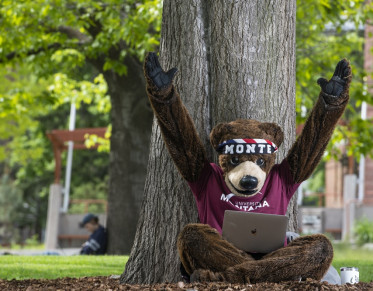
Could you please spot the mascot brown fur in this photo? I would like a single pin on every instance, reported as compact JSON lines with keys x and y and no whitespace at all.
{"x":247,"y":180}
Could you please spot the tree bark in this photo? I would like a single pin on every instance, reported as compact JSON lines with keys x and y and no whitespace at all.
{"x":236,"y":59}
{"x":131,"y":118}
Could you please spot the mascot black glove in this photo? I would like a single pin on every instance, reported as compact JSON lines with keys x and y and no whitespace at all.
{"x":161,"y":80}
{"x":336,"y":85}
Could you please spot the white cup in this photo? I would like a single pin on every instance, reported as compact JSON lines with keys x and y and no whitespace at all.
{"x":349,"y":275}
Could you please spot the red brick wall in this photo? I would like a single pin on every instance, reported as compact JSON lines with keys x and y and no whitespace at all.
{"x":368,"y":66}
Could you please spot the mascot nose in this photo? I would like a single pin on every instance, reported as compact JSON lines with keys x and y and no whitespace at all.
{"x":249,"y":182}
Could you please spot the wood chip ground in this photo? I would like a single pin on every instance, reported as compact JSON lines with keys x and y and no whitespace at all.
{"x":107,"y":283}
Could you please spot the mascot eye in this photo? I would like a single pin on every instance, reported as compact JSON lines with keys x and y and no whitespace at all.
{"x":235,"y":161}
{"x":260,"y":162}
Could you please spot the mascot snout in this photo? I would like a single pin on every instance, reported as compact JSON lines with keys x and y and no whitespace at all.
{"x":246,"y":179}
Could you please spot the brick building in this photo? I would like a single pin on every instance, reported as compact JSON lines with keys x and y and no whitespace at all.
{"x":368,"y":65}
{"x":336,"y":170}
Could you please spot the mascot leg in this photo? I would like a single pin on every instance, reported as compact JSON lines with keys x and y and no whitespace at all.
{"x":202,"y":247}
{"x":305,"y":257}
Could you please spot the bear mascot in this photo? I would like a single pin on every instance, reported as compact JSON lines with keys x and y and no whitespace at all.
{"x":247,"y":179}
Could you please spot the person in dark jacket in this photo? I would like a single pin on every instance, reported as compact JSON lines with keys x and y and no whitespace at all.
{"x":96,"y":244}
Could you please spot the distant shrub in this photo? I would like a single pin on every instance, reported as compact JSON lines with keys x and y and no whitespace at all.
{"x":313,"y":200}
{"x":364,"y":231}
{"x":32,"y":241}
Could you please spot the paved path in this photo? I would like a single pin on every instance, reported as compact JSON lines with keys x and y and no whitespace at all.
{"x":29,"y":252}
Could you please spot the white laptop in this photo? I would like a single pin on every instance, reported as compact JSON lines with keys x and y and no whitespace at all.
{"x":255,"y":232}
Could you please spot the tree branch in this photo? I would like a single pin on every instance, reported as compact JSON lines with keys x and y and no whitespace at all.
{"x":73,"y":33}
{"x":53,"y":46}
{"x":31,"y":52}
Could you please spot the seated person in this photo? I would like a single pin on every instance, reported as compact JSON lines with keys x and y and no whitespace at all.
{"x":97,"y":242}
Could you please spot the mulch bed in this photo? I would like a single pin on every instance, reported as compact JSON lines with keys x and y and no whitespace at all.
{"x":107,"y":283}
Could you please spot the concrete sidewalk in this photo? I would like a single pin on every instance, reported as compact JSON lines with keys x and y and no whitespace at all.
{"x":40,"y":252}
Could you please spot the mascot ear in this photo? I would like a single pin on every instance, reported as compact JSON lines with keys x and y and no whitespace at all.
{"x":218,"y":132}
{"x":273,"y":130}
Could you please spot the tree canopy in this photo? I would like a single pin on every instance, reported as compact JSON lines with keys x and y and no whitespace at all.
{"x":326,"y":32}
{"x":54,"y":52}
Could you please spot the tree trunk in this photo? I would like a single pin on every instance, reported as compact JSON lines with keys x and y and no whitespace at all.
{"x":131,"y":118}
{"x":236,"y":59}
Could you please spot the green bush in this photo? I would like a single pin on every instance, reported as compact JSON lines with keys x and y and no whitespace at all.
{"x":364,"y":231}
{"x":95,"y":189}
{"x":312,"y":200}
{"x":33,"y":241}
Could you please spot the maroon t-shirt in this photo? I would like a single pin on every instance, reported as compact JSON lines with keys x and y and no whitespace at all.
{"x":213,"y":196}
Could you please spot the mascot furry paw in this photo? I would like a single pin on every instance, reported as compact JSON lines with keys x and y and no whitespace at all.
{"x":246,"y":179}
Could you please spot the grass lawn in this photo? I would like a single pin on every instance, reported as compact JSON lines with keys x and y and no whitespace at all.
{"x":344,"y":256}
{"x":51,"y":267}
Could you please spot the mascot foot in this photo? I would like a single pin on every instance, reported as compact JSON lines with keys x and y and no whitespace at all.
{"x":201,"y":275}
